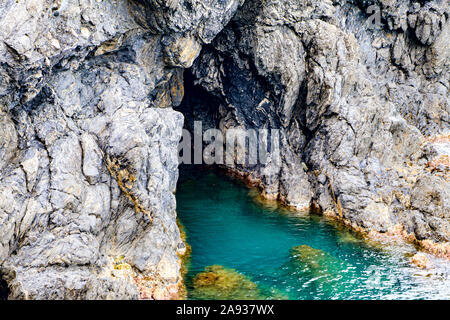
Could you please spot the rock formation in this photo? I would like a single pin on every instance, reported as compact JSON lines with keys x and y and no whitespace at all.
{"x":89,"y":137}
{"x":362,"y":105}
{"x":89,"y":143}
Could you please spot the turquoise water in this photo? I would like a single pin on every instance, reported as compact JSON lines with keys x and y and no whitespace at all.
{"x":226,"y":225}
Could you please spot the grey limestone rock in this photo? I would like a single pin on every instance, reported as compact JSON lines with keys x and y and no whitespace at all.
{"x":358,"y":106}
{"x":88,"y":138}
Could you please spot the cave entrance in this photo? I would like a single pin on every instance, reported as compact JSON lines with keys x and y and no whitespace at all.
{"x":267,"y":251}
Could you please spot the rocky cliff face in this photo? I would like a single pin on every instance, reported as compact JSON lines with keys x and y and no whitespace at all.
{"x":361,"y":100}
{"x":88,"y":136}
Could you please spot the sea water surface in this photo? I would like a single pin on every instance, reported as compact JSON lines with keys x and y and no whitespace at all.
{"x":226,"y":225}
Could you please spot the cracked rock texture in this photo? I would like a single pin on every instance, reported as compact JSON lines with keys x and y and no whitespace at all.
{"x":89,"y":137}
{"x":362,"y":102}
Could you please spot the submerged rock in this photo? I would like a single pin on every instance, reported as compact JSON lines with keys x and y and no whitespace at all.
{"x":88,"y":143}
{"x":347,"y":237}
{"x":318,"y":269}
{"x":218,"y":282}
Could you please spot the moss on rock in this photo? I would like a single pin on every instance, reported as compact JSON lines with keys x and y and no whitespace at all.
{"x":218,"y":282}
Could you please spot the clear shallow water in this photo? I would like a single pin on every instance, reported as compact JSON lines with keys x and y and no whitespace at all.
{"x":227,"y":226}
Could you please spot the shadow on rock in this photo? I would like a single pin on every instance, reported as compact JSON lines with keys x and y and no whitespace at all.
{"x":218,"y":282}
